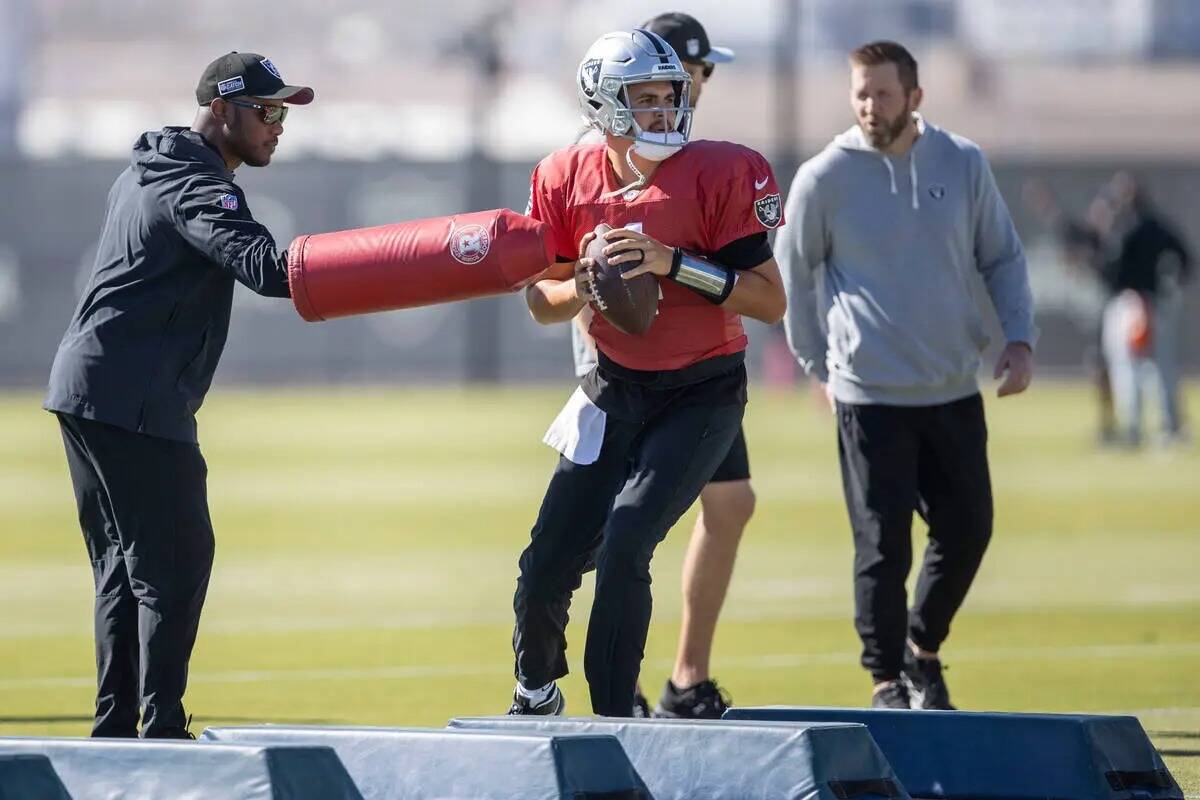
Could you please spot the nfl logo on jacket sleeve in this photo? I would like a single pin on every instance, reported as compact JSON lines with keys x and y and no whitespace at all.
{"x":228,"y":202}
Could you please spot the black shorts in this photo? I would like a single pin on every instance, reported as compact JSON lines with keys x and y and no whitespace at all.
{"x":736,"y":466}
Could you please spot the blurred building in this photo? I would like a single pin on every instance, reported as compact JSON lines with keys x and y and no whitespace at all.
{"x":402,"y":84}
{"x":408,"y":124}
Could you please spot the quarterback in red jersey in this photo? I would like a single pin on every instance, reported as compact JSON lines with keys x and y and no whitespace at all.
{"x":653,"y":420}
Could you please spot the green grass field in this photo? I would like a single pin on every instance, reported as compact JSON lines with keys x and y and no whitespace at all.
{"x":367,"y":545}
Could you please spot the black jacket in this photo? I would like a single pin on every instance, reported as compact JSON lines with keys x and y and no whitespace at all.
{"x":141,"y":350}
{"x":1139,"y":262}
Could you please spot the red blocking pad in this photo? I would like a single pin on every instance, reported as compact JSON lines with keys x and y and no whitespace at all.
{"x":958,"y":755}
{"x":415,"y":263}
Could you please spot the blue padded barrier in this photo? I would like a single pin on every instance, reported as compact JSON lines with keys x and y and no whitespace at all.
{"x":129,"y":769}
{"x":963,"y":755}
{"x":714,"y":760}
{"x":417,"y":763}
{"x":30,"y":777}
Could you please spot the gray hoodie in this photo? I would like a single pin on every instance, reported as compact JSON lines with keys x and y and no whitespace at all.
{"x":876,"y":261}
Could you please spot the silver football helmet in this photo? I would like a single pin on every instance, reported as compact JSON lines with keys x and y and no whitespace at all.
{"x":619,"y":60}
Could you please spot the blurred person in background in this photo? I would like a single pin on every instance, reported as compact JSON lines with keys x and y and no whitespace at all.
{"x":887,"y":223}
{"x":1146,"y":270}
{"x":134,"y":367}
{"x":1084,"y":242}
{"x":727,"y":502}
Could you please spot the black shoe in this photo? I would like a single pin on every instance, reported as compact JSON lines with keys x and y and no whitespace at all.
{"x":641,"y":706}
{"x":172,"y":732}
{"x":926,"y":686}
{"x":182,"y":734}
{"x":705,"y":700}
{"x":552,"y":706}
{"x":890,"y":694}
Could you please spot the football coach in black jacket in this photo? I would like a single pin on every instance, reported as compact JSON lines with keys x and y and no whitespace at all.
{"x":133,"y":368}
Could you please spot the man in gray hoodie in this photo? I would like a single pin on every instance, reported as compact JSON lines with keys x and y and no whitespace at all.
{"x":888,"y":224}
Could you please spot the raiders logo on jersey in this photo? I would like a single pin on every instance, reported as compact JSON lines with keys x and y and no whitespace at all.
{"x":768,"y":210}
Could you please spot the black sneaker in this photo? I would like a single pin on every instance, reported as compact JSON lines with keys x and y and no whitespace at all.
{"x":890,"y":694}
{"x":705,"y":700}
{"x":552,"y":706}
{"x":173,"y":732}
{"x":641,"y":706}
{"x":926,"y":686}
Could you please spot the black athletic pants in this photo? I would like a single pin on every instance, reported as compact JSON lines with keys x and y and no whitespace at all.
{"x":897,"y":459}
{"x":143,"y":508}
{"x":616,"y":510}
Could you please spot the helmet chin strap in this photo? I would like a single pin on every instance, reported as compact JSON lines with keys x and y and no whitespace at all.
{"x":650,"y":152}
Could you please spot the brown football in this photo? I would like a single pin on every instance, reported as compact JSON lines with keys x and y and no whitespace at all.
{"x":630,"y":305}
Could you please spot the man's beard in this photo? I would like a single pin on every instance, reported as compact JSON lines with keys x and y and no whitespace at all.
{"x":254,"y":160}
{"x":881,"y":138}
{"x":238,"y":143}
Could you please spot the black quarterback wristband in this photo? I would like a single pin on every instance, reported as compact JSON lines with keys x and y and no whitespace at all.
{"x":710,"y":280}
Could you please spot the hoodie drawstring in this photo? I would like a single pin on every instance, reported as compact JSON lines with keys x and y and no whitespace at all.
{"x":854,"y":139}
{"x":887,"y":162}
{"x":912,"y":176}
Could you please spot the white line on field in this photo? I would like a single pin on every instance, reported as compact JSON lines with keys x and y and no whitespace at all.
{"x":224,"y":621}
{"x":1169,"y":711}
{"x":768,"y":661}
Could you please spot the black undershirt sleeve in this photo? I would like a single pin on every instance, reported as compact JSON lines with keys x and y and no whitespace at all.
{"x":745,"y":253}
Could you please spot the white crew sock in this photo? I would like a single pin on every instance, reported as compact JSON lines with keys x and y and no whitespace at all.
{"x":536,"y":696}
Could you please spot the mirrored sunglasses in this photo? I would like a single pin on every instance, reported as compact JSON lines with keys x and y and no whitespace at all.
{"x":269,"y":114}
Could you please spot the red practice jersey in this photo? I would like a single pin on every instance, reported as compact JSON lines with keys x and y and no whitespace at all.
{"x":703,"y":198}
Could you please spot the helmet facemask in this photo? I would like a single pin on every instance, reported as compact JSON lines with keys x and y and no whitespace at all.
{"x":650,"y":145}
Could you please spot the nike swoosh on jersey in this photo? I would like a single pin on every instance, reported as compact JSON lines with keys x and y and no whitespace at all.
{"x":760,"y":184}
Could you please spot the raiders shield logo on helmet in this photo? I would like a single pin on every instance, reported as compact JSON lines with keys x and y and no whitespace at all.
{"x":767,"y":209}
{"x":589,"y":75}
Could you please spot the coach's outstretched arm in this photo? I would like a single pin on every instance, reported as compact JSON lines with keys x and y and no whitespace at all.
{"x":229,"y":237}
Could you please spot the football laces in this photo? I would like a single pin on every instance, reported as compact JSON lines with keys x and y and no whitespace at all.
{"x":596,"y":298}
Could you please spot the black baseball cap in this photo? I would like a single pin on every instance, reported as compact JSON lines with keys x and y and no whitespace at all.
{"x":687,"y":38}
{"x":247,"y":74}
